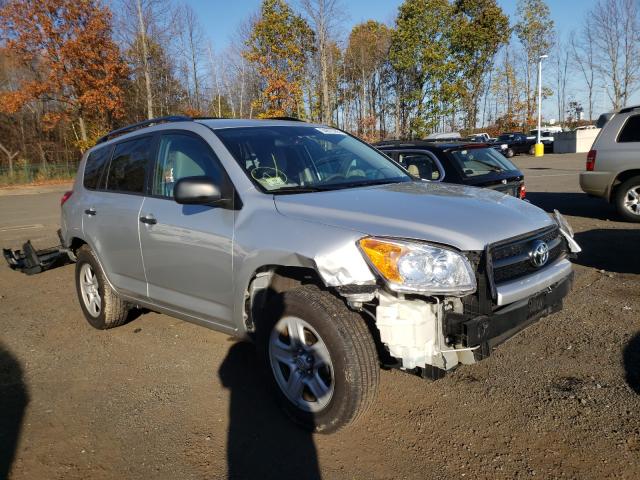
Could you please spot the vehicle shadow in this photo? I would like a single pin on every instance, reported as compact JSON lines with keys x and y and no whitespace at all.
{"x":574,"y":204}
{"x":261,"y":442}
{"x":631,"y":360}
{"x":14,"y":398}
{"x":613,"y":250}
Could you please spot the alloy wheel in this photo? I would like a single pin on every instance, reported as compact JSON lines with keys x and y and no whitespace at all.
{"x":89,"y":289}
{"x":301,"y":364}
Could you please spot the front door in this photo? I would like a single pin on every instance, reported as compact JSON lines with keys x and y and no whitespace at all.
{"x":187,"y":249}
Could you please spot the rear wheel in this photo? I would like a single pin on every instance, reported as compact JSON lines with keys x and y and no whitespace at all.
{"x":320,"y":359}
{"x":532,"y":150}
{"x":628,"y":199}
{"x":99,"y":302}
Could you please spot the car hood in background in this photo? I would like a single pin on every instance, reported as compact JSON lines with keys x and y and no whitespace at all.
{"x":467,"y":218}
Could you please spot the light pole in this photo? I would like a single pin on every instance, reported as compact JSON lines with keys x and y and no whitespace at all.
{"x":539,"y":148}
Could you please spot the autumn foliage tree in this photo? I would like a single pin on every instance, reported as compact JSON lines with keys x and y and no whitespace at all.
{"x":280,"y":44}
{"x":77,"y":66}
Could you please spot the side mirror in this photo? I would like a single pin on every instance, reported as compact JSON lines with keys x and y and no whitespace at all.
{"x":196,"y":191}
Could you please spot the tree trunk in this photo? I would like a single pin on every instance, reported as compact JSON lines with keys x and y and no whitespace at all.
{"x":324,"y":74}
{"x":83,"y":130}
{"x":145,"y":59}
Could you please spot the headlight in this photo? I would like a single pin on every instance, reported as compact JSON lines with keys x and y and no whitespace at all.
{"x":562,"y":223}
{"x":418,"y":267}
{"x":504,"y":146}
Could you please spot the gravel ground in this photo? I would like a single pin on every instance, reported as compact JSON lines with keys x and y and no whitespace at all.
{"x":160,"y":398}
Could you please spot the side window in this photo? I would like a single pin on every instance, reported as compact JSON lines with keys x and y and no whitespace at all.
{"x":128,"y":166}
{"x":181,"y":156}
{"x":420,"y":165}
{"x":94,"y":167}
{"x":631,"y":130}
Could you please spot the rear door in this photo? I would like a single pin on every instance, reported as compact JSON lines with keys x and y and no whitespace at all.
{"x":187,"y":249}
{"x":111,"y":210}
{"x":421,"y":163}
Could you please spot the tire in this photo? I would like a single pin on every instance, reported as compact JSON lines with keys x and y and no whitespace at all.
{"x":107,"y":310}
{"x":345,"y":373}
{"x":627,"y":199}
{"x":532,"y":150}
{"x":509,"y":153}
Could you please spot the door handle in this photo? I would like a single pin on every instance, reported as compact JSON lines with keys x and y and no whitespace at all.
{"x":90,"y":211}
{"x":149,"y":220}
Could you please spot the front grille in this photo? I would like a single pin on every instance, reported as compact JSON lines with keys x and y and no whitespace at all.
{"x":511,"y":259}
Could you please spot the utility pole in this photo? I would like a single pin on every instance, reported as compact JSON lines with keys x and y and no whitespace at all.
{"x":539,"y":148}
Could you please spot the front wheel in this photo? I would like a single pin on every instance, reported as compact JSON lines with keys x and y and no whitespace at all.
{"x":628,"y":199}
{"x":509,"y":153}
{"x":320,"y":359}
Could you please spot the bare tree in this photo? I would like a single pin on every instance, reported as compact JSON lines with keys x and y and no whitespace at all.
{"x":10,"y":157}
{"x":192,"y":45}
{"x":615,"y":34}
{"x":142,"y":33}
{"x":582,"y":47}
{"x":324,"y":17}
{"x":561,"y":65}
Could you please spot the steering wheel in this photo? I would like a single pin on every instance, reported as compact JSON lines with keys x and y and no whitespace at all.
{"x":265,"y":173}
{"x":335,"y":176}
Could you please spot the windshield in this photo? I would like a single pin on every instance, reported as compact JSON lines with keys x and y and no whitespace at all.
{"x":481,"y":161}
{"x":505,"y":137}
{"x":304,"y":158}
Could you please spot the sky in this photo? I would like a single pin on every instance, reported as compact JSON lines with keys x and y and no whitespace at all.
{"x":221,"y":18}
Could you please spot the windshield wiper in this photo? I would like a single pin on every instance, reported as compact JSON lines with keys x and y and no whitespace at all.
{"x":299,"y":189}
{"x":367,"y":183}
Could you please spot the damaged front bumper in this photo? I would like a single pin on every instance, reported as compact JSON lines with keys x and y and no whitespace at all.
{"x":31,"y":261}
{"x":488,"y":331}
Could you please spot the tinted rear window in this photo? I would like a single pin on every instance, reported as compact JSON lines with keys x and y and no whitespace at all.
{"x":94,"y":167}
{"x":631,"y":130}
{"x":128,"y":167}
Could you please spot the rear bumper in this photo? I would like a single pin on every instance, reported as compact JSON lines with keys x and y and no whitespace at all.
{"x":488,"y":331}
{"x":596,"y":183}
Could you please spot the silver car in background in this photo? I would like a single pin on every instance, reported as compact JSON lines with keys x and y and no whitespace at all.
{"x":613,"y":164}
{"x":324,"y":251}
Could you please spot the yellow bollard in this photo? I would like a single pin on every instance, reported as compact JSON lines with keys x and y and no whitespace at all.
{"x":539,"y":149}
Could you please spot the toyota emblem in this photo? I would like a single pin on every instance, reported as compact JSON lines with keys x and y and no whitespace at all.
{"x":539,"y":254}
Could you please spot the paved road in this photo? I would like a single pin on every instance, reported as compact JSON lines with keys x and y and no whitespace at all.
{"x":160,"y":398}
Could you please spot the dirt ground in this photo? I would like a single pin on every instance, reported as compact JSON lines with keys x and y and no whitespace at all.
{"x":160,"y":398}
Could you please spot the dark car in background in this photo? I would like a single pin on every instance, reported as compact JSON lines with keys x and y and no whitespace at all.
{"x":474,"y":164}
{"x":516,"y":143}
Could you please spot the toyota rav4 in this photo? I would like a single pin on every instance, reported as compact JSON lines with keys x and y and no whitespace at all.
{"x":328,"y":254}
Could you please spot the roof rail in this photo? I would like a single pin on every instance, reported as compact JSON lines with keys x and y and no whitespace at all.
{"x":292,"y":119}
{"x":629,"y":109}
{"x":139,"y":125}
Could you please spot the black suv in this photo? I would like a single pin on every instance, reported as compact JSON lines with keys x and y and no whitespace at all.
{"x":474,"y":164}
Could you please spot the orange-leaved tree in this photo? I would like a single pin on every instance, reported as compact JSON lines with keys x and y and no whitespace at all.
{"x":280,"y":45}
{"x":76,"y":64}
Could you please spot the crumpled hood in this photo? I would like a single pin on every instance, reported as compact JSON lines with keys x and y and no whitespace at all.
{"x":467,"y":218}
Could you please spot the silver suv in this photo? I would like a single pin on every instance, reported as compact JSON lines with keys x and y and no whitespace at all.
{"x":321,"y":249}
{"x":613,"y":164}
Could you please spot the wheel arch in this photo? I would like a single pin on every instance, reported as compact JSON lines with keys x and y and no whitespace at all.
{"x":620,"y":179}
{"x":269,"y":280}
